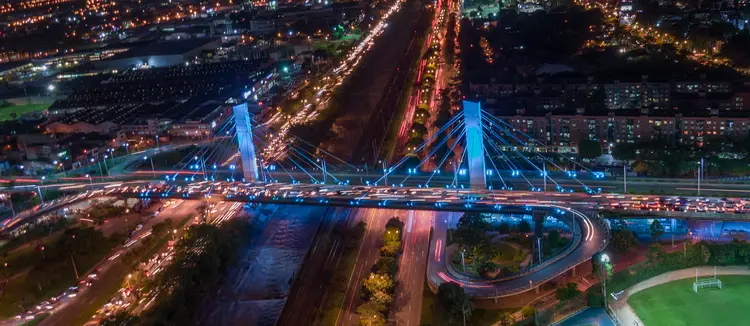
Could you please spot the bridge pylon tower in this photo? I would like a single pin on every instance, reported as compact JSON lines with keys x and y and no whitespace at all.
{"x":475,"y":145}
{"x":243,"y":124}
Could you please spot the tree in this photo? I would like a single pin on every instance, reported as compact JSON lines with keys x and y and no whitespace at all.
{"x":452,"y":298}
{"x":506,"y":319}
{"x":386,"y":265}
{"x":470,"y":231}
{"x":568,"y":292}
{"x":623,"y":240}
{"x":161,"y":228}
{"x":528,"y":311}
{"x":589,"y":149}
{"x":390,"y":249}
{"x":503,"y":228}
{"x":391,"y":235}
{"x":418,"y":129}
{"x":422,"y":113}
{"x":640,"y":167}
{"x":624,"y":152}
{"x":394,"y":222}
{"x":371,"y":314}
{"x":656,"y":229}
{"x":524,"y":226}
{"x":655,"y":253}
{"x":377,"y":282}
{"x":381,"y":298}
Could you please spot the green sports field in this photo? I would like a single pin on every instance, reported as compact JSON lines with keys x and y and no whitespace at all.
{"x":16,"y":111}
{"x":675,"y":303}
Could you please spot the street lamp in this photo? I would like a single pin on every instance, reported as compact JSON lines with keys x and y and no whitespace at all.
{"x":39,"y":190}
{"x":604,"y":260}
{"x":105,"y":164}
{"x":89,"y":176}
{"x":152,"y":165}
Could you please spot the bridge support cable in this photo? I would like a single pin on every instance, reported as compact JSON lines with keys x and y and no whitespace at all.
{"x":505,"y":186}
{"x":546,"y":147}
{"x":508,"y":160}
{"x":200,"y":150}
{"x":313,"y":163}
{"x":543,"y":171}
{"x":445,"y":157}
{"x":401,"y":161}
{"x":489,"y":178}
{"x":267,"y":163}
{"x":209,"y":157}
{"x":457,"y":169}
{"x":458,"y":129}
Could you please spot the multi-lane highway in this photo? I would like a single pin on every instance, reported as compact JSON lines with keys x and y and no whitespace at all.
{"x":111,"y":269}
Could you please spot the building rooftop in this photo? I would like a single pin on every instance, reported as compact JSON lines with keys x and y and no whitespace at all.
{"x":163,"y":48}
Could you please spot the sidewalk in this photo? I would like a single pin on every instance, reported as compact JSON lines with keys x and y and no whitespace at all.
{"x":625,"y":313}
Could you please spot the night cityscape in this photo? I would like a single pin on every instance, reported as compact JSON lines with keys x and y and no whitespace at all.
{"x":375,"y":162}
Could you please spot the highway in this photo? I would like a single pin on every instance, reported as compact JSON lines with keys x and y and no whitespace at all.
{"x":368,"y":254}
{"x":407,"y":301}
{"x":112,"y":269}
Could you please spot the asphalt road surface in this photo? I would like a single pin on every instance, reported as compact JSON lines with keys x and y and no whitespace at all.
{"x":112,"y":271}
{"x":369,"y":252}
{"x":412,"y":263}
{"x":407,"y":306}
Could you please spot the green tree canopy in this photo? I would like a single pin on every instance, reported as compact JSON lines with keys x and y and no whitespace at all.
{"x":454,"y":300}
{"x":656,"y":229}
{"x":589,"y":149}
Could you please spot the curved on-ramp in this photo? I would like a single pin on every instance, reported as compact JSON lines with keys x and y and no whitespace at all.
{"x":592,"y":237}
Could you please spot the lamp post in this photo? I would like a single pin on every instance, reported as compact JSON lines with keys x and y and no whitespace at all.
{"x":152,"y":165}
{"x":39,"y":190}
{"x":98,"y":163}
{"x":700,"y":176}
{"x":463,"y":259}
{"x":105,"y":164}
{"x":90,"y":180}
{"x":112,"y":151}
{"x":604,"y":260}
